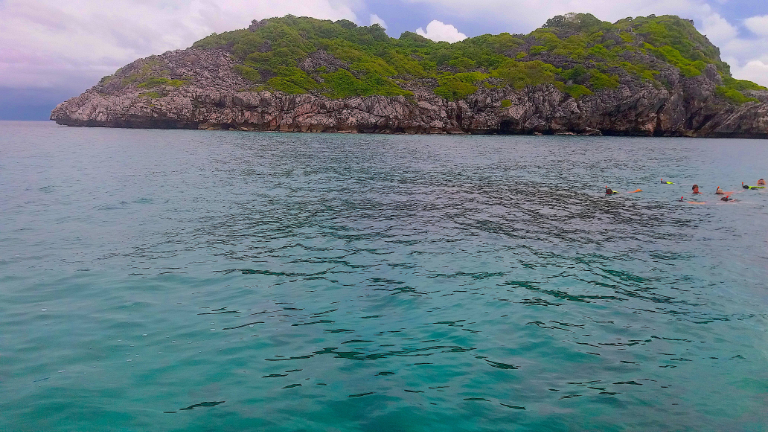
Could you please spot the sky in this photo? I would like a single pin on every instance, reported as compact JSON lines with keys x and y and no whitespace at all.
{"x":51,"y":50}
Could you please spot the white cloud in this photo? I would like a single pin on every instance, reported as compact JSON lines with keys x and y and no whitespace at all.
{"x":757,"y":25}
{"x":717,"y":29}
{"x":71,"y":44}
{"x":376,"y":20}
{"x":755,"y":70}
{"x":441,"y":32}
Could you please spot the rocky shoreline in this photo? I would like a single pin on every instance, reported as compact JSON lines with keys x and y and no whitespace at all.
{"x":213,"y":96}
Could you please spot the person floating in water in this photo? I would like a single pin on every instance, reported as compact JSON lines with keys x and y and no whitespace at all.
{"x":695,"y":189}
{"x":663,"y":182}
{"x":761,"y":182}
{"x":609,"y":191}
{"x":726,"y":198}
{"x":719,"y":191}
{"x":682,"y":199}
{"x":744,"y":186}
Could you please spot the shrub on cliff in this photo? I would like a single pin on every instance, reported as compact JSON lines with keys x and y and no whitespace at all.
{"x":156,"y":82}
{"x":733,"y":96}
{"x":342,"y":83}
{"x":522,"y":74}
{"x":248,"y":73}
{"x":574,"y":90}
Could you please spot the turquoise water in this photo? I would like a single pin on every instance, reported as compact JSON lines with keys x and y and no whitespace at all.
{"x":226,"y":281}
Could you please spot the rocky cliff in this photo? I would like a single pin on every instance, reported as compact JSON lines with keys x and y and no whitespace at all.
{"x":213,"y":86}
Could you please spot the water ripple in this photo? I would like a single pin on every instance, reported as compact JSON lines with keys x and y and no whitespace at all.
{"x":339,"y":282}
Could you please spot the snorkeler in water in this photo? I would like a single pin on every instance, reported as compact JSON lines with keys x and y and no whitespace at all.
{"x":609,"y":191}
{"x":695,"y":190}
{"x":761,"y":182}
{"x":726,"y":198}
{"x":719,"y":191}
{"x":759,"y":186}
{"x":663,"y":182}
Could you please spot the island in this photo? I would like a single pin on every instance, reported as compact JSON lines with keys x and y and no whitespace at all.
{"x":645,"y":76}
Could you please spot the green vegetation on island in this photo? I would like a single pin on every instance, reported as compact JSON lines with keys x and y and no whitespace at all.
{"x":577,"y":53}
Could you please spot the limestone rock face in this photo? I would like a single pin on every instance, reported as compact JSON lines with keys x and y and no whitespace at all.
{"x":203,"y":91}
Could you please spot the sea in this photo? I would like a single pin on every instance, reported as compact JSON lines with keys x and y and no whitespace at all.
{"x":175,"y":280}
